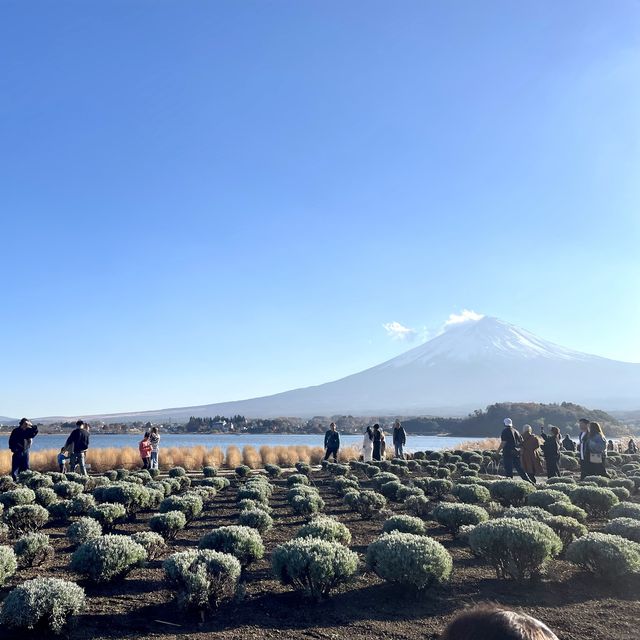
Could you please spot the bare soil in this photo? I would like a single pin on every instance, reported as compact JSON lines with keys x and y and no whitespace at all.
{"x":573,"y":604}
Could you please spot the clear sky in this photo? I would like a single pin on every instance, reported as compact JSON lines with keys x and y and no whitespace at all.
{"x":208,"y":201}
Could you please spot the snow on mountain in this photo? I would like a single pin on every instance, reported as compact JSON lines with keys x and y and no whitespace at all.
{"x":470,"y":365}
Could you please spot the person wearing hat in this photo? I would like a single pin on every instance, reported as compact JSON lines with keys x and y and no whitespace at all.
{"x":510,"y":443}
{"x":20,"y":443}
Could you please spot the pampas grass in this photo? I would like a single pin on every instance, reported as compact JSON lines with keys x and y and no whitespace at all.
{"x":191,"y":458}
{"x":487,"y":444}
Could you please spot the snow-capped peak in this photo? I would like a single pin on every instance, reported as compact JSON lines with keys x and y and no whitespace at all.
{"x":486,"y":338}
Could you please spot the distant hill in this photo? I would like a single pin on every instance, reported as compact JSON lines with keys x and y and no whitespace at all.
{"x":489,"y":423}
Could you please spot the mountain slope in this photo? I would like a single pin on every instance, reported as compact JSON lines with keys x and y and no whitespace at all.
{"x":470,"y":365}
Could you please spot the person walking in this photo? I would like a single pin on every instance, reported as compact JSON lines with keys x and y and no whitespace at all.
{"x":378,"y":442}
{"x":597,"y":450}
{"x":331,"y":442}
{"x":583,"y":448}
{"x":144,"y":446}
{"x":510,"y":443}
{"x":551,"y":451}
{"x":568,"y":444}
{"x":77,"y":444}
{"x":154,"y":440}
{"x":19,"y":444}
{"x":367,"y":444}
{"x":399,"y":439}
{"x":530,"y":454}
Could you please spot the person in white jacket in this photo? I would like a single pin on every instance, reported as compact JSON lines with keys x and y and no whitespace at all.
{"x":367,"y":445}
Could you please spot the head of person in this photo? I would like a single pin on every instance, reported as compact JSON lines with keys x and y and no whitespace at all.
{"x":80,"y":424}
{"x":376,"y":427}
{"x":555,"y":432}
{"x":595,"y":429}
{"x":584,"y":424}
{"x":508,"y":422}
{"x":527,"y":430}
{"x":610,"y":442}
{"x":146,"y":435}
{"x":62,"y":450}
{"x":332,"y":426}
{"x":154,"y":429}
{"x":25,"y":423}
{"x":396,"y":424}
{"x":493,"y":623}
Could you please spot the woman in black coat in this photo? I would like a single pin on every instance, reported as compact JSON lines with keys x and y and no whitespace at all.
{"x":551,"y":451}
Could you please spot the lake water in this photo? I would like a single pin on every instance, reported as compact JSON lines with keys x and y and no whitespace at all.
{"x":414,"y":443}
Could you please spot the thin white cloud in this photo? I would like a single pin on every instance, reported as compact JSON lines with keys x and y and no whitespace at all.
{"x":465,"y":316}
{"x":397,"y":331}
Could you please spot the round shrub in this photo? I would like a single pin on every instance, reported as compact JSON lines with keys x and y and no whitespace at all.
{"x":67,"y":490}
{"x":25,"y":518}
{"x":82,"y":504}
{"x":202,"y":579}
{"x":168,"y":524}
{"x":405,"y":492}
{"x":625,"y":510}
{"x":107,"y":558}
{"x":516,"y":548}
{"x":439,"y":488}
{"x":407,"y":559}
{"x":607,"y":556}
{"x":152,"y":543}
{"x":544,"y":497}
{"x":599,"y":481}
{"x":405,"y":524}
{"x":209,"y":471}
{"x":390,"y":489}
{"x":177,"y":472}
{"x":257,"y":491}
{"x":43,"y":604}
{"x":566,"y":528}
{"x":16,"y":497}
{"x":4,"y":532}
{"x":8,"y":564}
{"x":256,"y":519}
{"x":33,"y":549}
{"x":242,"y":471}
{"x":567,"y":509}
{"x":108,"y":515}
{"x":325,"y":528}
{"x":535,"y":513}
{"x":241,"y":542}
{"x":133,"y":497}
{"x":511,"y":493}
{"x":596,"y":501}
{"x":569,"y":463}
{"x":472,"y":493}
{"x":313,"y":566}
{"x":307,"y":504}
{"x":303,"y":467}
{"x":7,"y":484}
{"x":369,"y":504}
{"x":625,"y":527}
{"x":624,"y":483}
{"x":59,"y":511}
{"x":561,"y":480}
{"x":83,"y":530}
{"x":452,"y":516}
{"x":190,"y":504}
{"x":273,"y":470}
{"x":417,"y":505}
{"x":621,"y":493}
{"x":45,"y":496}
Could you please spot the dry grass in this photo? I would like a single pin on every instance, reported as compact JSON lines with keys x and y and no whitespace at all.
{"x":194,"y":458}
{"x":480,"y":445}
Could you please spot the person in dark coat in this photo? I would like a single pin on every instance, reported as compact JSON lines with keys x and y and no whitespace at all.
{"x":568,"y":444}
{"x":583,"y":448}
{"x":551,"y":451}
{"x":331,"y":442}
{"x":399,"y":439}
{"x":378,"y":442}
{"x":20,"y":443}
{"x":510,"y":443}
{"x":77,"y":444}
{"x":632,"y":447}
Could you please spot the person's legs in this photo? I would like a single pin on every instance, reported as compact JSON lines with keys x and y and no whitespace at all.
{"x":154,"y":459}
{"x":525,"y":476}
{"x":15,"y":465}
{"x":335,"y":455}
{"x":508,"y":465}
{"x":552,"y":468}
{"x":83,"y":468}
{"x":327,"y":453}
{"x":25,"y":461}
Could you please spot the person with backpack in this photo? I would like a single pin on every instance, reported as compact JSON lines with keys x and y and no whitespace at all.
{"x":332,"y":442}
{"x":19,"y":444}
{"x":597,"y":450}
{"x":399,"y":439}
{"x":551,"y":451}
{"x":510,"y":444}
{"x":77,"y":444}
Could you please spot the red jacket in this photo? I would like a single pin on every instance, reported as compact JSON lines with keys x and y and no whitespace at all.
{"x":145,"y":449}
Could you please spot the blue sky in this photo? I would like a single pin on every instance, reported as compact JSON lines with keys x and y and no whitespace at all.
{"x":206,"y":201}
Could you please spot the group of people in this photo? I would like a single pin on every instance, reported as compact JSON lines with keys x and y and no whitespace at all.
{"x":72,"y":456}
{"x":524,"y":452}
{"x":373,"y":443}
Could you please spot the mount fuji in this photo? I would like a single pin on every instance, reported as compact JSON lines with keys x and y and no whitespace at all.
{"x":468,"y":366}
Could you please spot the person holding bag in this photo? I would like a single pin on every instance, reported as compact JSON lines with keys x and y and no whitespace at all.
{"x":597,"y":450}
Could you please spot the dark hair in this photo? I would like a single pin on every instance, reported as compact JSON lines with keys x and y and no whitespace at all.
{"x":146,"y":434}
{"x":154,"y":429}
{"x":584,"y":420}
{"x":79,"y":423}
{"x":23,"y":421}
{"x":376,"y":426}
{"x":488,"y":622}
